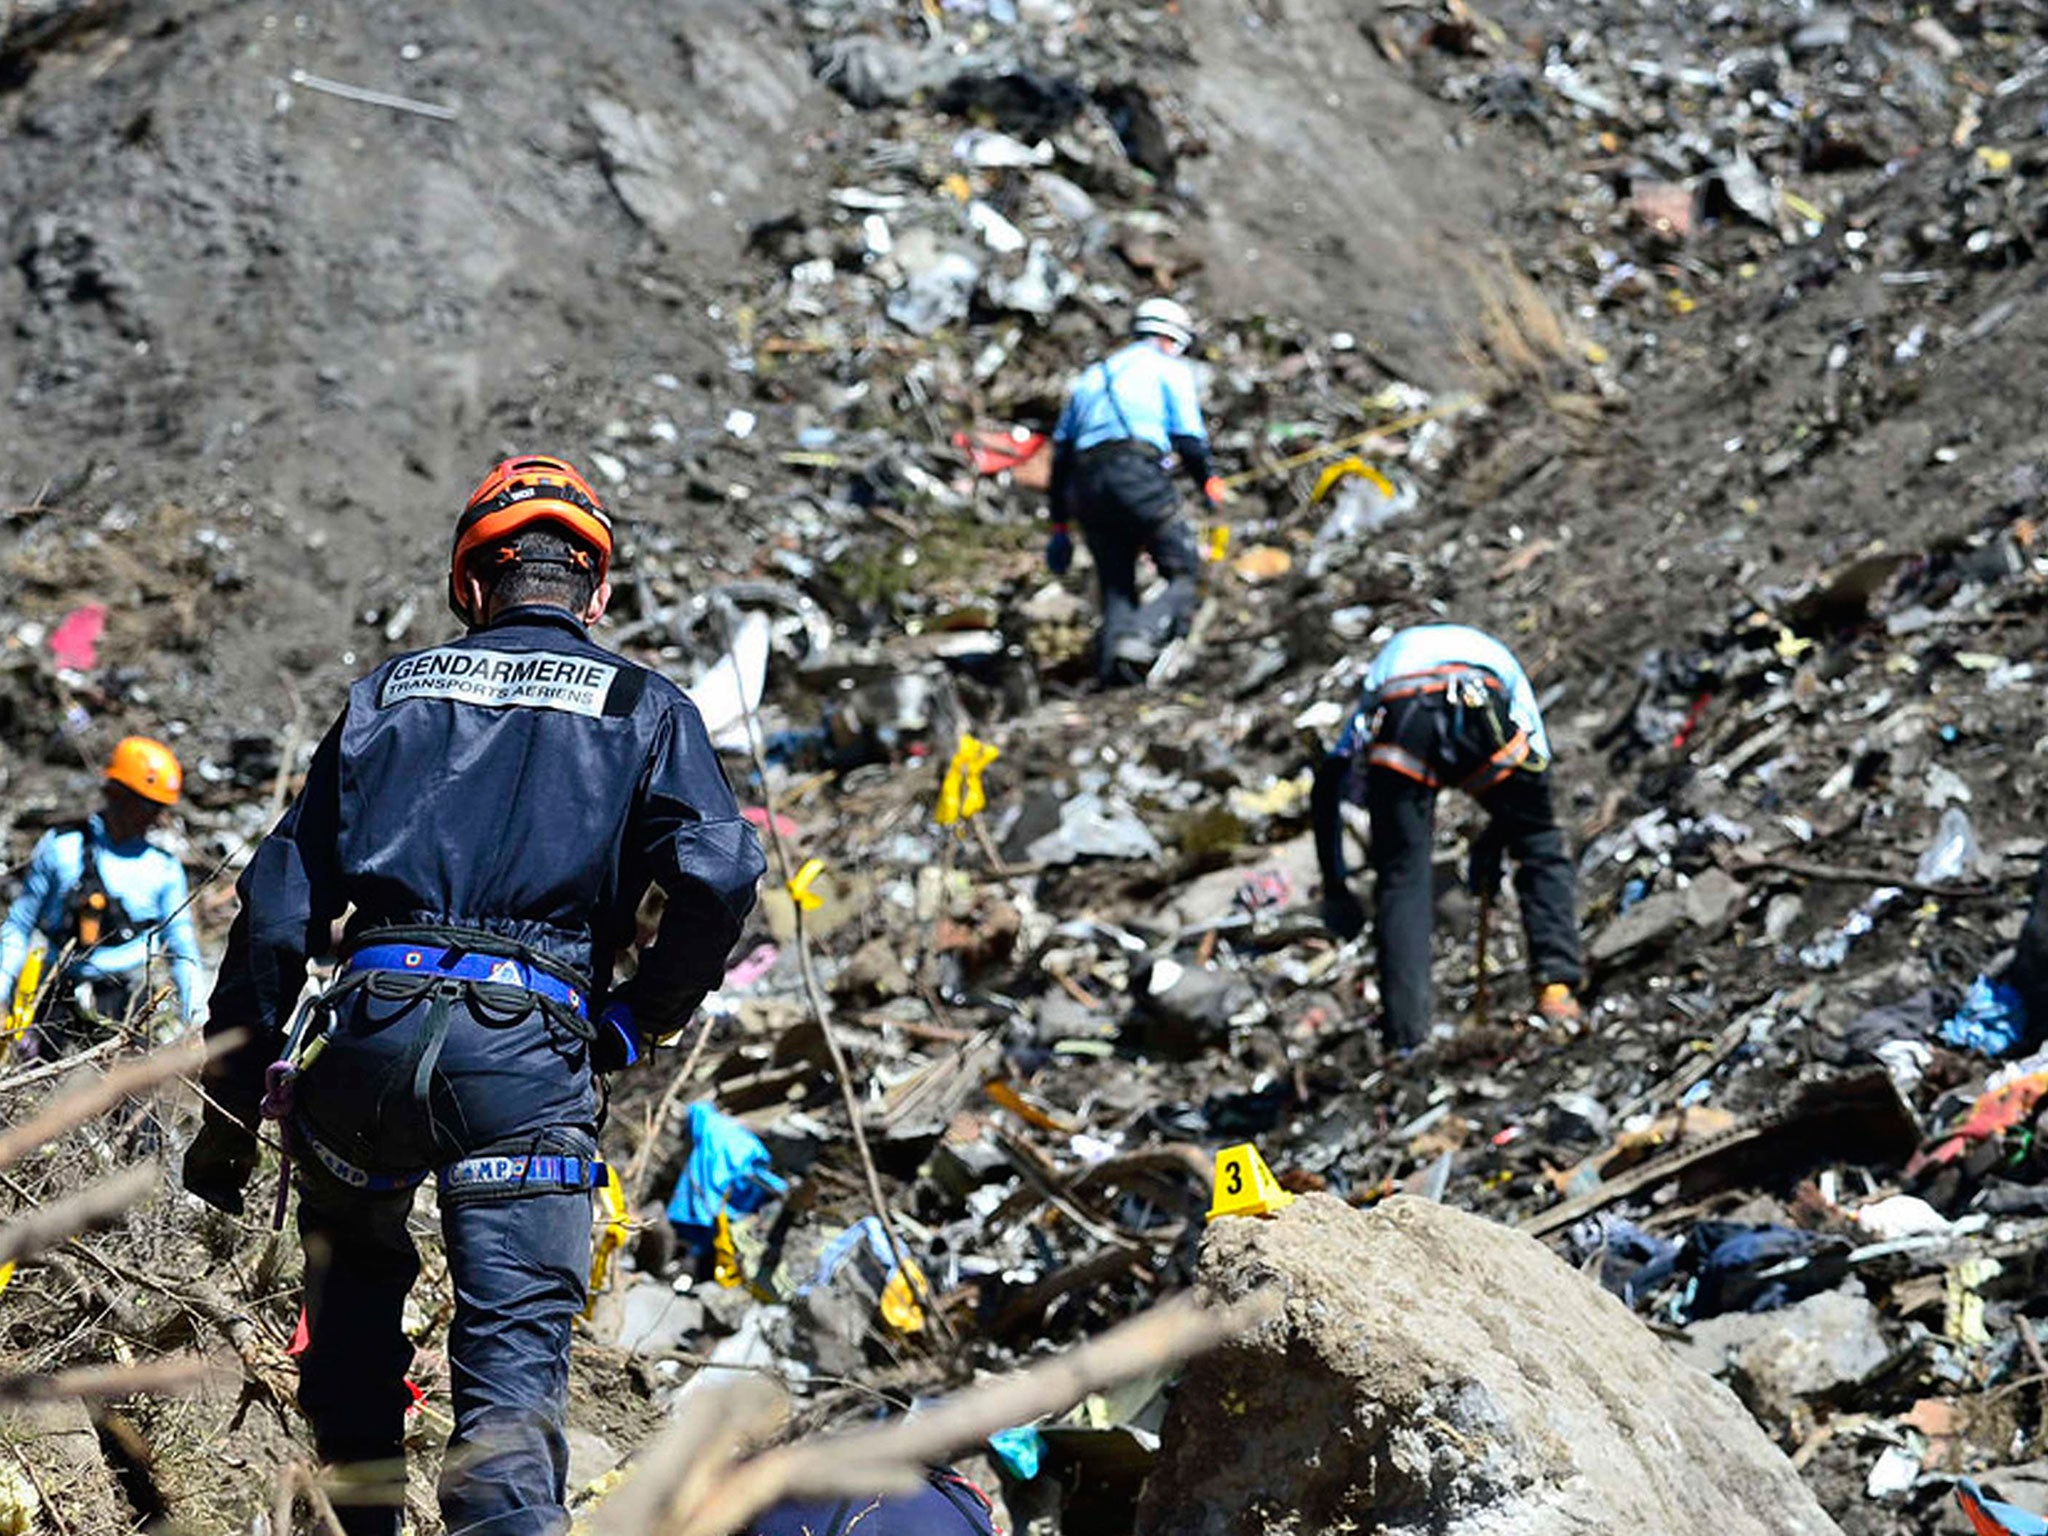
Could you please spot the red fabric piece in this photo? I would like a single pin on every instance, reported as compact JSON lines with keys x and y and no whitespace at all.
{"x":76,"y":641}
{"x":1993,"y":1115}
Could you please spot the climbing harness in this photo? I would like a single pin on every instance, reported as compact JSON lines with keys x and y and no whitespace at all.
{"x":1463,"y":688}
{"x":499,"y":980}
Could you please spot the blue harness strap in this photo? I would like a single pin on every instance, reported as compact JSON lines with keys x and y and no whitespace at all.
{"x":427,"y":960}
{"x":497,"y":1173}
{"x":481,"y":1177}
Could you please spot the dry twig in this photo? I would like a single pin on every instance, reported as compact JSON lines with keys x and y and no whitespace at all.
{"x":91,"y":1099}
{"x":101,"y":1383}
{"x":92,"y":1207}
{"x":814,"y":996}
{"x":686,"y":1487}
{"x":636,"y":1172}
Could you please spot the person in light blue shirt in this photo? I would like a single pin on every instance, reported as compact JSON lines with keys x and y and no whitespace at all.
{"x":1447,"y":706}
{"x":1123,"y":417}
{"x":113,"y":908}
{"x":1424,"y":648}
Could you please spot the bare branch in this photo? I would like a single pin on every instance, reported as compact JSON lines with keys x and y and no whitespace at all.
{"x":94,"y":1206}
{"x":679,"y":1470}
{"x":71,"y":1110}
{"x":100,"y":1383}
{"x":687,"y":1486}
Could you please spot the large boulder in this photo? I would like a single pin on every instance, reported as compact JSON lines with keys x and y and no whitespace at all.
{"x":1434,"y":1372}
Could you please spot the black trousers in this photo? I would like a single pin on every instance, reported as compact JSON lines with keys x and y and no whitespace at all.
{"x":73,"y":1011}
{"x":2028,"y":973}
{"x":1454,"y":743}
{"x":1128,"y":507}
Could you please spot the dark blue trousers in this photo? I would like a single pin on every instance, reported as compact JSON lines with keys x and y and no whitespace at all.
{"x":948,"y":1505}
{"x":1128,"y":508}
{"x":519,"y":1262}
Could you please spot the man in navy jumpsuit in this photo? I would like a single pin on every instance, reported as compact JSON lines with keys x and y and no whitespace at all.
{"x":493,"y":810}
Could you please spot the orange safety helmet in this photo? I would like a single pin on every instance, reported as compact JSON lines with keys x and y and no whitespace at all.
{"x":148,"y":768}
{"x":517,"y":494}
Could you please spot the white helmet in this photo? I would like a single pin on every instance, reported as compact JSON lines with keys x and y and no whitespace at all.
{"x":1163,"y":317}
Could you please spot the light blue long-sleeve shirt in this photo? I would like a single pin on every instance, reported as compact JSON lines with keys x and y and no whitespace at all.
{"x":147,"y":882}
{"x":1426,"y":647}
{"x":1138,"y":392}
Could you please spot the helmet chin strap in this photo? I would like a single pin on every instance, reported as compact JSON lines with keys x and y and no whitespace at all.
{"x":507,"y":558}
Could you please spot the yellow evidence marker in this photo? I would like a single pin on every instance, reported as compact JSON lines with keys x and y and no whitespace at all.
{"x":1245,"y":1186}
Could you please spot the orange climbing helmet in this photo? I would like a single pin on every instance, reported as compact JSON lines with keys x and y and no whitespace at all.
{"x":514,"y":496}
{"x":148,"y":768}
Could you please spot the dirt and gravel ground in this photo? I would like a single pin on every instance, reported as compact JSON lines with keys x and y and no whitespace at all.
{"x":1744,"y":293}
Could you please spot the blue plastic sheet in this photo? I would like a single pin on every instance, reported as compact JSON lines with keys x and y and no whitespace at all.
{"x":728,"y":1170}
{"x":864,"y":1236}
{"x":1993,"y":1019}
{"x":1020,"y":1450}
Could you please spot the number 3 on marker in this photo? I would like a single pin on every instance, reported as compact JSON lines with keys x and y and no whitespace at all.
{"x":1236,"y":1175}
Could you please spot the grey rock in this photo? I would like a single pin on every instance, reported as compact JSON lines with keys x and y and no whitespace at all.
{"x":590,"y":1456}
{"x":1827,"y":29}
{"x":641,"y":158}
{"x":1815,"y":1348}
{"x":1187,"y":1008}
{"x":1707,"y":906}
{"x":654,"y":1320}
{"x":1433,"y":1372}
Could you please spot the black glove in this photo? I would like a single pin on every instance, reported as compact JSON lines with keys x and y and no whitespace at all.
{"x":617,"y":1043}
{"x":1343,"y":913}
{"x":219,"y":1162}
{"x":1059,"y":550}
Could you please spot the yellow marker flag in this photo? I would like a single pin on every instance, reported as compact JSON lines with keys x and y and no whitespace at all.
{"x":1219,"y":544}
{"x":611,"y":1196}
{"x":6,"y":1275}
{"x":801,"y":882}
{"x":961,"y":796}
{"x":22,"y":1007}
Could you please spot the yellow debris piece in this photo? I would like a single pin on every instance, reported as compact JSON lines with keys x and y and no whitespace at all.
{"x":21,"y":1008}
{"x":1263,"y":562}
{"x":1791,"y":647}
{"x":1807,"y":213}
{"x":19,"y":1503}
{"x":1343,"y":470}
{"x":899,"y":1299}
{"x":725,"y":1254}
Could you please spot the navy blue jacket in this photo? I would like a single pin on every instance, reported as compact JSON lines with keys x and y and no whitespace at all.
{"x":520,"y":781}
